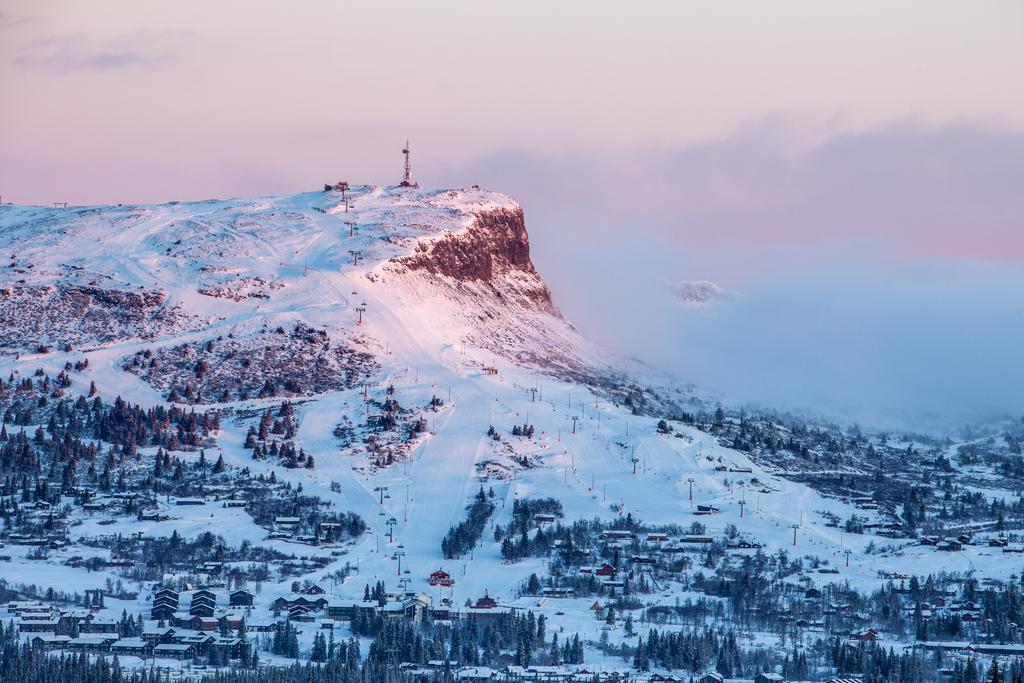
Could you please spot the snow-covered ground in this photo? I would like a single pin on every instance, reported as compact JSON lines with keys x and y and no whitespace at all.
{"x":277,"y":261}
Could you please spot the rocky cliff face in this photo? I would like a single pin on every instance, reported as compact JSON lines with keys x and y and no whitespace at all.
{"x":493,"y":251}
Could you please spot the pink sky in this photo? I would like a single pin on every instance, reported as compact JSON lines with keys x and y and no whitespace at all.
{"x":120,"y":101}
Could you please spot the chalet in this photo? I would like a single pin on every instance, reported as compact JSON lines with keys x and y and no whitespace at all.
{"x":743,"y":545}
{"x":98,"y":626}
{"x":286,"y":524}
{"x":810,"y":623}
{"x":155,"y":635}
{"x":175,"y":651}
{"x":696,"y":540}
{"x":1015,"y":549}
{"x":998,"y":542}
{"x":136,"y":647}
{"x":205,"y":623}
{"x":309,"y":604}
{"x":707,"y":510}
{"x":48,"y":641}
{"x":543,"y":518}
{"x":203,"y":604}
{"x":228,"y":646}
{"x":812,"y":594}
{"x":642,"y":559}
{"x":999,"y":650}
{"x":950,"y":546}
{"x":261,"y":625}
{"x":163,"y":611}
{"x":152,"y":516}
{"x":865,"y":635}
{"x":211,"y":567}
{"x":189,"y":501}
{"x":241,"y":598}
{"x":605,"y":570}
{"x":555,"y":592}
{"x":314,"y":590}
{"x":440,"y":578}
{"x":768,"y":678}
{"x":347,"y":610}
{"x":36,"y":626}
{"x":36,"y":615}
{"x":438,"y":664}
{"x":181,"y":620}
{"x":234,"y":503}
{"x":943,"y":645}
{"x":25,"y":539}
{"x":165,"y":603}
{"x":95,"y":643}
{"x":712,"y":677}
{"x":486,"y":602}
{"x":656,"y":537}
{"x":233,"y":621}
{"x":118,"y":563}
{"x":19,"y":607}
{"x":200,"y":642}
{"x":617,"y":534}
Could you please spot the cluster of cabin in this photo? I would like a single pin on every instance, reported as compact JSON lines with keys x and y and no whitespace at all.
{"x":202,"y":609}
{"x":312,"y":604}
{"x":41,"y":617}
{"x":158,"y":642}
{"x":84,"y":630}
{"x":35,"y":523}
{"x":955,"y":545}
{"x":575,"y":673}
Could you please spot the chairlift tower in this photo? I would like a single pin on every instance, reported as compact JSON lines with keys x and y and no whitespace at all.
{"x":399,"y":554}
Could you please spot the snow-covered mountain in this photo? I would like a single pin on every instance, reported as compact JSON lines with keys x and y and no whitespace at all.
{"x":393,"y":351}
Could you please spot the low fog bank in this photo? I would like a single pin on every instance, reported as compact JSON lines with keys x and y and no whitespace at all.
{"x":920,"y":344}
{"x":880,"y":274}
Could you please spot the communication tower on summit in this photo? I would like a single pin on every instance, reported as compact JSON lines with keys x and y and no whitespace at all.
{"x":407,"y":179}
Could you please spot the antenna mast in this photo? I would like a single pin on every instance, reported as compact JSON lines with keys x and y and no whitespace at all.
{"x":407,"y":179}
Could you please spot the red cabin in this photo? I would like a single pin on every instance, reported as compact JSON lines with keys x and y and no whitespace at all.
{"x":441,"y":578}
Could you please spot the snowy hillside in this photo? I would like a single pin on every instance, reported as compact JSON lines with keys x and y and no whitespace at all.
{"x":393,"y":352}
